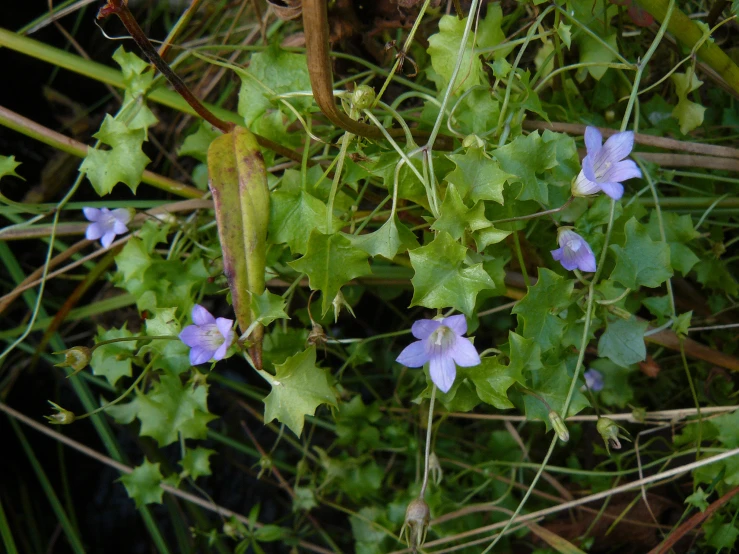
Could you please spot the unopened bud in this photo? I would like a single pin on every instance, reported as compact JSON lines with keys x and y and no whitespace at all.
{"x":77,"y":358}
{"x":435,"y":469}
{"x":417,"y":517}
{"x":620,"y":312}
{"x":363,"y":97}
{"x":337,"y":303}
{"x":611,"y":432}
{"x":473,"y":141}
{"x":61,"y":417}
{"x":559,"y":426}
{"x":233,"y":529}
{"x":265,"y":466}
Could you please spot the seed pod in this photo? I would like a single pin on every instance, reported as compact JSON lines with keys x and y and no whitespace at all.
{"x":417,"y":517}
{"x":77,"y":358}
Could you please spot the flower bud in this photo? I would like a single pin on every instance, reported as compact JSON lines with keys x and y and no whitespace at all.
{"x":61,"y":417}
{"x":611,"y":432}
{"x":77,"y":358}
{"x":363,"y":97}
{"x":435,"y":469}
{"x":559,"y":426}
{"x":265,"y":466}
{"x":417,"y":517}
{"x":473,"y":141}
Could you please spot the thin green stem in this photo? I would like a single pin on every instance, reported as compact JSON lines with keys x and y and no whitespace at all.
{"x":427,"y":454}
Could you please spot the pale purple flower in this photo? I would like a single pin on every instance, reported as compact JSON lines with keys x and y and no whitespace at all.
{"x":594,"y":380}
{"x":209,"y":338}
{"x":604,"y":168}
{"x":106,"y":224}
{"x":440,"y":342}
{"x":574,"y":252}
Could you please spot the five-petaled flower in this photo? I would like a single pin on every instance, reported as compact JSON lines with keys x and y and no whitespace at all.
{"x":209,"y":338}
{"x":604,"y":168}
{"x":106,"y":224}
{"x":594,"y":380}
{"x":574,"y":252}
{"x":440,"y":342}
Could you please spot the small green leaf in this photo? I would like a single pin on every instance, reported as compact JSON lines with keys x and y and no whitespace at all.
{"x":387,"y":241}
{"x":138,"y":78}
{"x":197,"y":143}
{"x":196,"y":462}
{"x":478,"y":176}
{"x":123,"y":163}
{"x":552,"y":383}
{"x":298,"y":388}
{"x":525,"y":157}
{"x":623,"y":341}
{"x":565,"y":34}
{"x":143,"y":484}
{"x":593,"y":51}
{"x":304,"y":499}
{"x":551,"y":293}
{"x":171,"y":410}
{"x":330,"y":262}
{"x":8,"y":165}
{"x":641,"y":261}
{"x":293,"y":212}
{"x":492,"y":381}
{"x":687,"y":112}
{"x":113,"y":361}
{"x":698,"y":499}
{"x":455,"y":217}
{"x":442,"y":279}
{"x":268,"y":307}
{"x":720,"y":535}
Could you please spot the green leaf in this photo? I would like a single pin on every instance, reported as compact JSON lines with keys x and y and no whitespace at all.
{"x":292,"y":212}
{"x":641,"y":261}
{"x":552,"y":383}
{"x":298,"y":388}
{"x":492,"y":381}
{"x":271,"y":72}
{"x":714,"y":274}
{"x":330,"y":262}
{"x":623,"y":341}
{"x":196,"y":462}
{"x":727,"y":425}
{"x":679,"y":230}
{"x":8,"y":165}
{"x":138,"y":78}
{"x":387,"y":241}
{"x":143,"y":484}
{"x":489,"y":235}
{"x":698,"y":499}
{"x":688,"y":113}
{"x":524,"y":353}
{"x":267,"y":307}
{"x":455,"y":217}
{"x":123,"y":163}
{"x":617,"y":390}
{"x":565,"y":34}
{"x":171,"y":356}
{"x":442,"y":279}
{"x":478,"y":176}
{"x":593,"y":50}
{"x":304,"y":499}
{"x":551,"y":294}
{"x":113,"y":361}
{"x":171,"y":410}
{"x":720,"y":535}
{"x":525,"y":157}
{"x":197,"y":143}
{"x":444,"y":49}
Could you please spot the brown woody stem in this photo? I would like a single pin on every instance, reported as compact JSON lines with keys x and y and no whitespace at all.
{"x":119,"y":8}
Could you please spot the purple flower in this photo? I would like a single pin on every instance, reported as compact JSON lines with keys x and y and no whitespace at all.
{"x":106,"y":224}
{"x":441,"y":343}
{"x":604,"y":168}
{"x":594,"y":379}
{"x":574,"y":252}
{"x":209,"y":337}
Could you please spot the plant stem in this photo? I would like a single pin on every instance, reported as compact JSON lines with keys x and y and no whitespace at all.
{"x":427,"y":455}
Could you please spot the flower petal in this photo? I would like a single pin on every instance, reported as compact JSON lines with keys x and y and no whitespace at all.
{"x":191,"y":335}
{"x":584,"y":258}
{"x":122,"y":214}
{"x":107,"y":239}
{"x":614,"y":190}
{"x":119,"y":228}
{"x":200,"y":355}
{"x":94,"y":231}
{"x":557,"y":254}
{"x":423,"y":328}
{"x":457,"y":323}
{"x":221,"y":352}
{"x":201,"y":316}
{"x":414,"y":355}
{"x":594,"y":379}
{"x":442,"y":371}
{"x":617,"y":147}
{"x":224,"y":326}
{"x":91,"y":214}
{"x":568,"y":260}
{"x":593,"y":140}
{"x":621,"y":171}
{"x":582,"y":186}
{"x":463,"y":353}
